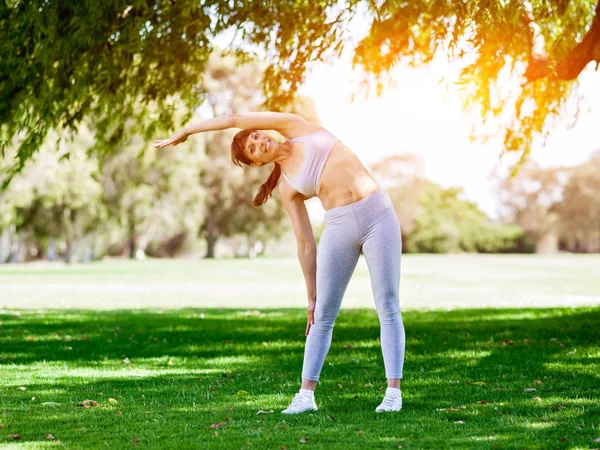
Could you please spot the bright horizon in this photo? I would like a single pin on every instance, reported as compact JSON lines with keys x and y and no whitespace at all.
{"x":432,"y":125}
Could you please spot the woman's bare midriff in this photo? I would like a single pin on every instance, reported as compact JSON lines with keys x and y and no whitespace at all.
{"x":344,"y":179}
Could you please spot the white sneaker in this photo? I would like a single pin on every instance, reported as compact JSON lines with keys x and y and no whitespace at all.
{"x":301,"y":403}
{"x":391,"y":402}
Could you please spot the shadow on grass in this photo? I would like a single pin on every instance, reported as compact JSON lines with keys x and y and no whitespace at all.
{"x":196,"y":367}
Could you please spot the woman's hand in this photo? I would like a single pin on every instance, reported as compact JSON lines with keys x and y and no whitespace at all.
{"x":311,"y":315}
{"x":177,"y":138}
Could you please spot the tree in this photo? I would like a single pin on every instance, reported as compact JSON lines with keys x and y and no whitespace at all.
{"x":63,"y":60}
{"x":579,"y":210}
{"x":448,"y":223}
{"x":54,"y":199}
{"x":231,"y":87}
{"x":403,"y":177}
{"x":152,"y":194}
{"x":530,"y":200}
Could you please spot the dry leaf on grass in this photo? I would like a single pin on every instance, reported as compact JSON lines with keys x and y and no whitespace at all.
{"x":136,"y":440}
{"x":118,"y":413}
{"x":529,"y":389}
{"x":15,"y":436}
{"x":483,"y":402}
{"x":304,"y":440}
{"x":217,"y":425}
{"x":88,"y":404}
{"x":48,"y":436}
{"x":112,"y":400}
{"x":360,"y":433}
{"x":2,"y":426}
{"x":478,"y":383}
{"x":348,"y":347}
{"x":126,"y":361}
{"x":260,"y":411}
{"x":537,"y":399}
{"x":557,"y":406}
{"x":537,"y":382}
{"x":51,"y":404}
{"x":22,"y":388}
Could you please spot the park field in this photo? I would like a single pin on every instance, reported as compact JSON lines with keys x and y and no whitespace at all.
{"x":428,"y":282}
{"x":501,"y":353}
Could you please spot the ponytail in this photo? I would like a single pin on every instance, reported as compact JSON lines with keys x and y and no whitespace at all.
{"x":266,"y":189}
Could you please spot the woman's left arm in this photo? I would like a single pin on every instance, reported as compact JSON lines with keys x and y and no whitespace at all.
{"x":284,"y":123}
{"x":287,"y":124}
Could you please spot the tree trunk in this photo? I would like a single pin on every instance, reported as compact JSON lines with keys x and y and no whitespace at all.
{"x":17,"y":254}
{"x":211,"y":242}
{"x":51,"y":254}
{"x":132,"y":242}
{"x":71,"y":252}
{"x":4,"y":245}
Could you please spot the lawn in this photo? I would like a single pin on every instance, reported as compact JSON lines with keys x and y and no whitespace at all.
{"x":162,"y":378}
{"x":428,"y":282}
{"x":205,"y":354}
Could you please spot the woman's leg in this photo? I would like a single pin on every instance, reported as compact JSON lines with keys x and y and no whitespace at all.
{"x":337,"y":255}
{"x":382,"y":248}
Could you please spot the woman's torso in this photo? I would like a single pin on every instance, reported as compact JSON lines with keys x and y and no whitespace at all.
{"x":343,"y":179}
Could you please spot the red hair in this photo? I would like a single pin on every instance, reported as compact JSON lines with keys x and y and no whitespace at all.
{"x":238,"y":157}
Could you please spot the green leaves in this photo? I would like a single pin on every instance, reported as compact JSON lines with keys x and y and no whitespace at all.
{"x":65,"y":61}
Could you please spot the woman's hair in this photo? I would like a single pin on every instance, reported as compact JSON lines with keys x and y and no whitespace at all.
{"x":239,"y":157}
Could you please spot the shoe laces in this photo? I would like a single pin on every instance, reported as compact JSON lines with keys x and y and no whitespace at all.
{"x":297,"y":399}
{"x":389,"y":399}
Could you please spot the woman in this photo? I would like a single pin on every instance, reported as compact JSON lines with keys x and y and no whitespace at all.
{"x":359,"y":217}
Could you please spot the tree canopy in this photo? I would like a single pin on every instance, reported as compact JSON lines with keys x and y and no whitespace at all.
{"x":65,"y":60}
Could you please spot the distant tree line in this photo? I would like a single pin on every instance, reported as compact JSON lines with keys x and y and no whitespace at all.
{"x":542,"y":210}
{"x":72,"y":204}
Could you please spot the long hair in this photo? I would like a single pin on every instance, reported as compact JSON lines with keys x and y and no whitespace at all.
{"x":238,"y":157}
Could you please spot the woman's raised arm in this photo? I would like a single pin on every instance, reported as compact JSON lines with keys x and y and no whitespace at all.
{"x":285,"y":123}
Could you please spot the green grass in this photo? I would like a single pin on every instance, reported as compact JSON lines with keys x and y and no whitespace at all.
{"x":226,"y":364}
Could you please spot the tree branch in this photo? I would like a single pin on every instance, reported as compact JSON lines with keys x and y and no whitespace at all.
{"x":568,"y":67}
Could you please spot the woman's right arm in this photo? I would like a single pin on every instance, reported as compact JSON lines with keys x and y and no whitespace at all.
{"x":307,"y":247}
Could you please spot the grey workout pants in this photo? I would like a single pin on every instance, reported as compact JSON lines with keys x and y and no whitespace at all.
{"x":369,"y":226}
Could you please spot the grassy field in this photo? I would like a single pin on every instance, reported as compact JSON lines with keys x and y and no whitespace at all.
{"x":205,"y":354}
{"x":428,"y":282}
{"x":198,"y":378}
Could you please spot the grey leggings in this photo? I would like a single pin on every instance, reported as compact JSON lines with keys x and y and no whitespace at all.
{"x":369,"y":225}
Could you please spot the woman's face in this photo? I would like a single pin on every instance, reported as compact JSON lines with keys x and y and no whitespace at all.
{"x":260,"y":148}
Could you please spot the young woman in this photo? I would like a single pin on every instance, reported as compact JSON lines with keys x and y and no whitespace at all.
{"x":359,"y":218}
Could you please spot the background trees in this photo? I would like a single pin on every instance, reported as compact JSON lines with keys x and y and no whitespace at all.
{"x":557,"y":207}
{"x":579,"y":212}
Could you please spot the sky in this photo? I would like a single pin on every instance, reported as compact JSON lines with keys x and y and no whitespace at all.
{"x":420,"y":116}
{"x":417,"y":116}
